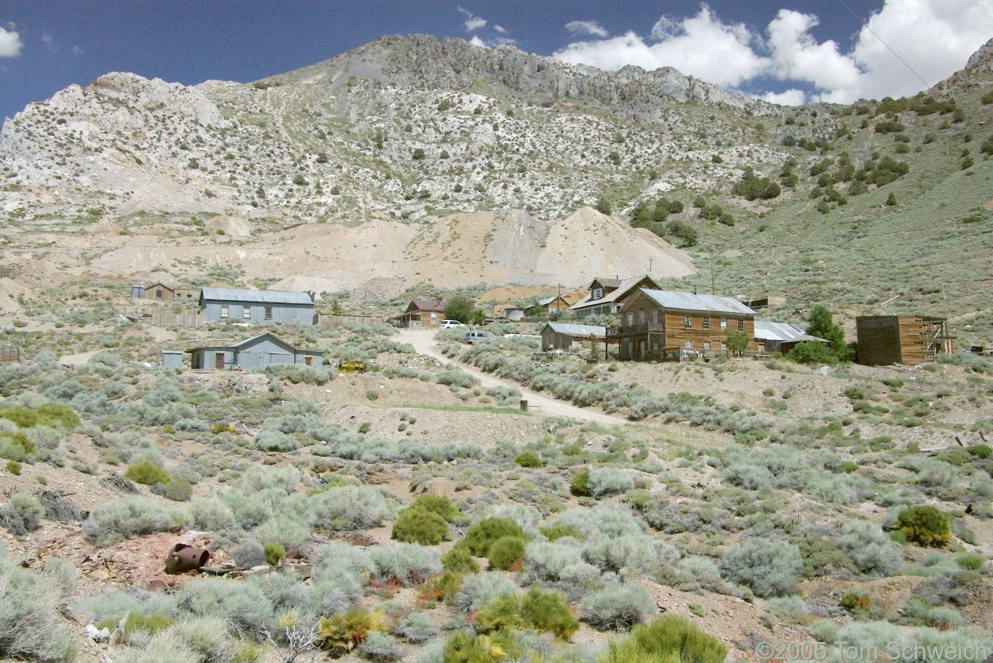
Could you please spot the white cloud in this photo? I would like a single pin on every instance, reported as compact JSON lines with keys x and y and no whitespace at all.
{"x":500,"y":29}
{"x":587,"y":28}
{"x":476,"y":41}
{"x":10,"y":43}
{"x":76,"y":50}
{"x":933,"y":37}
{"x":791,"y":97}
{"x":700,"y":46}
{"x":472,"y":22}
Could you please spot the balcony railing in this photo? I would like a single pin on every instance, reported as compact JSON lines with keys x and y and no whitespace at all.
{"x":638,"y":328}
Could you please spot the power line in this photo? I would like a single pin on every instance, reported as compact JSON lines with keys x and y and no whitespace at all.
{"x":888,"y":47}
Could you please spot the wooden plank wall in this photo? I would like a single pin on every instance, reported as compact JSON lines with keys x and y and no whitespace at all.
{"x":878,"y":340}
{"x":676,"y":333}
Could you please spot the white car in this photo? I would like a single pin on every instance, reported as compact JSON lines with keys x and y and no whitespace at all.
{"x":448,"y":324}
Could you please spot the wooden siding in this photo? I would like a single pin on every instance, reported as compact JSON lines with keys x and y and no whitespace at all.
{"x":650,"y":332}
{"x":257,"y":312}
{"x":906,"y":339}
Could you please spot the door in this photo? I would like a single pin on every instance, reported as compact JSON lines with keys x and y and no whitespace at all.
{"x":218,"y":360}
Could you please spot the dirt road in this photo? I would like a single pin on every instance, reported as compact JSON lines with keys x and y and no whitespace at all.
{"x":424,"y":343}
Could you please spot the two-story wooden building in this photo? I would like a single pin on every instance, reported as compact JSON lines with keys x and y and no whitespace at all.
{"x":902,"y":339}
{"x":421,"y":313}
{"x":668,"y":324}
{"x":257,"y":306}
{"x":606,"y":296}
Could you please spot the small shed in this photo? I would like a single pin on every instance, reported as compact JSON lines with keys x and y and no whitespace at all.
{"x":256,"y":352}
{"x":901,"y":339}
{"x":159,"y":292}
{"x":780,"y":336}
{"x":172,"y":359}
{"x":513,"y":313}
{"x":561,"y":335}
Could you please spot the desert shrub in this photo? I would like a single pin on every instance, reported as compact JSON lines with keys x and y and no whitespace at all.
{"x":925,"y":526}
{"x":380,"y":646}
{"x":697,"y":572}
{"x":244,"y":605}
{"x":483,"y":534}
{"x":604,"y":481}
{"x":869,"y":549}
{"x":617,"y":607}
{"x":211,"y":514}
{"x":668,"y":638}
{"x":416,"y":627}
{"x":970,"y":561}
{"x":418,"y":525}
{"x":628,"y":553}
{"x":347,"y":508}
{"x":274,"y":552}
{"x":274,"y":440}
{"x":527,"y":459}
{"x":603,"y":521}
{"x":535,"y":609}
{"x":21,"y":514}
{"x":341,"y":633}
{"x":175,"y":488}
{"x":465,"y":647}
{"x":580,"y":484}
{"x":506,"y":552}
{"x":199,"y":640}
{"x":31,"y":625}
{"x":404,"y":563}
{"x":480,"y":589}
{"x":248,"y":554}
{"x":335,"y":590}
{"x":115,"y":521}
{"x":766,"y":566}
{"x":285,"y":528}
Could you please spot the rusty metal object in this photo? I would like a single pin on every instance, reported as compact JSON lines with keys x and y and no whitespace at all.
{"x":185,"y":557}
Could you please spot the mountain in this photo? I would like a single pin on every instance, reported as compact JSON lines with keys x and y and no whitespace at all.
{"x":397,"y":147}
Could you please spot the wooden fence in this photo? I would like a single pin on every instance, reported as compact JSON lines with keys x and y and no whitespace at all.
{"x":171,"y":319}
{"x":328,"y":320}
{"x":10,"y":354}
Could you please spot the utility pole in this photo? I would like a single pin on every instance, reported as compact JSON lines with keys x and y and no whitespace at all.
{"x":713,"y":289}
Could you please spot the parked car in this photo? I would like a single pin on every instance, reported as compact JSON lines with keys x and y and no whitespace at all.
{"x":474,"y":336}
{"x":449,"y":324}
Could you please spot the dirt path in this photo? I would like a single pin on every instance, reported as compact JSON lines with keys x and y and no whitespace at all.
{"x":423,"y":342}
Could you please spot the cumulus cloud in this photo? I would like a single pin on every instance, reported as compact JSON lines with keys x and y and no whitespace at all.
{"x":10,"y":42}
{"x":591,"y":28}
{"x":700,"y":46}
{"x":472,"y":22}
{"x":906,"y":46}
{"x":791,"y":97}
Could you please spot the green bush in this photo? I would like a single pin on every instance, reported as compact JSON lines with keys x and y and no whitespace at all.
{"x":669,"y":638}
{"x":465,"y":647}
{"x":418,"y":525}
{"x":341,"y":633}
{"x":925,"y":526}
{"x":506,"y":553}
{"x":459,"y":560}
{"x":536,"y":609}
{"x":812,"y":352}
{"x":274,"y":552}
{"x":605,"y":481}
{"x":767,"y":566}
{"x":580,"y":484}
{"x":483,"y":534}
{"x":528,"y":459}
{"x":980,"y":450}
{"x":479,"y":589}
{"x":404,"y":563}
{"x":553,"y":532}
{"x":147,"y":472}
{"x":177,"y":489}
{"x":14,"y":467}
{"x":438,"y":504}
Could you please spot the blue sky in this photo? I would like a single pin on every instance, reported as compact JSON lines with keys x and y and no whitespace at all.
{"x":789,"y":51}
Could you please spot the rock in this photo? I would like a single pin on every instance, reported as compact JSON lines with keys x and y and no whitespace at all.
{"x":97,"y":634}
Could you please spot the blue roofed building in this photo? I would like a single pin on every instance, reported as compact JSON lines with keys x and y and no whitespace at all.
{"x":257,"y":306}
{"x":256,"y":352}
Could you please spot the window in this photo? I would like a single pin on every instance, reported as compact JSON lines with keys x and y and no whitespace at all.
{"x":218,"y":360}
{"x":309,"y":361}
{"x":724,"y":322}
{"x":688,"y":345}
{"x":158,"y":294}
{"x":688,"y":321}
{"x":631,"y":318}
{"x":762,"y":348}
{"x":706,"y":322}
{"x":246,"y":312}
{"x":224,"y":311}
{"x":597,"y":293}
{"x":641,"y":316}
{"x":724,"y":348}
{"x":655,"y":316}
{"x":706,"y":346}
{"x":268,"y":313}
{"x":741,"y":325}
